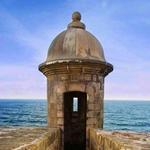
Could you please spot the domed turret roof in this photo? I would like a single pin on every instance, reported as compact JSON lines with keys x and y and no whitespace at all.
{"x":75,"y":50}
{"x":75,"y":43}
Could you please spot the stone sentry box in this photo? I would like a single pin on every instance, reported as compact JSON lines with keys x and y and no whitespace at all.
{"x":75,"y":65}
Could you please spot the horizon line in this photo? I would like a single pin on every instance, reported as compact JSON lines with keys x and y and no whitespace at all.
{"x":113,"y":99}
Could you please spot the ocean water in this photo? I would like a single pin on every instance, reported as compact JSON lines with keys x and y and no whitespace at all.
{"x":118,"y":115}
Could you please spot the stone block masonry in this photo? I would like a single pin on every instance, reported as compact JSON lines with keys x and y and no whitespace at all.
{"x":50,"y":139}
{"x":117,"y":140}
{"x":30,"y":139}
{"x":75,"y":69}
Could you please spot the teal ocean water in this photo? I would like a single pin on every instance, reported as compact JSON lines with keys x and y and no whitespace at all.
{"x":118,"y":115}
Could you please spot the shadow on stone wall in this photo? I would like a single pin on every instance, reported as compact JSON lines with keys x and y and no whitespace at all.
{"x":118,"y":140}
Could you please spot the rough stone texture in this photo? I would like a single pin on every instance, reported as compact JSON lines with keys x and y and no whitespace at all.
{"x":75,"y":43}
{"x":30,"y":139}
{"x":50,"y":139}
{"x":55,"y":98}
{"x":75,"y":62}
{"x":83,"y":77}
{"x":118,"y":140}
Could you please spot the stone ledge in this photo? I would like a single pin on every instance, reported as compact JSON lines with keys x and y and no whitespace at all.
{"x":118,"y":140}
{"x":30,"y":138}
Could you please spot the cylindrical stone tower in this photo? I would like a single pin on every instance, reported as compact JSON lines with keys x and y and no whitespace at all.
{"x":75,"y":69}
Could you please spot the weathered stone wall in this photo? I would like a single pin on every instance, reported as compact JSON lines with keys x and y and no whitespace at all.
{"x":91,"y":84}
{"x":30,"y":139}
{"x":104,"y":140}
{"x":51,"y":140}
{"x":87,"y":77}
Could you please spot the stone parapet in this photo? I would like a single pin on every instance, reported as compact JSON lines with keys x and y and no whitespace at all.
{"x":117,"y":140}
{"x":30,"y":139}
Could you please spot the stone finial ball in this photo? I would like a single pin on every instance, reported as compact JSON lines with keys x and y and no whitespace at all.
{"x":76,"y":16}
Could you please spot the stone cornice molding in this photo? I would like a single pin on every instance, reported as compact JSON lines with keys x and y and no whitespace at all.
{"x":75,"y":66}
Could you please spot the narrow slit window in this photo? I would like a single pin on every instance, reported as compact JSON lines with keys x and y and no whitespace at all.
{"x":75,"y":104}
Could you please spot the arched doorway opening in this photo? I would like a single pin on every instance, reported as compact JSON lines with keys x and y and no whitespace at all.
{"x":75,"y":120}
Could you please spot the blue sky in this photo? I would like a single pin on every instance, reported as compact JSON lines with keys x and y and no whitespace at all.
{"x":28,"y":27}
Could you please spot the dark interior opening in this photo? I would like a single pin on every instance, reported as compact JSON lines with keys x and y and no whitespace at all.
{"x":75,"y":120}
